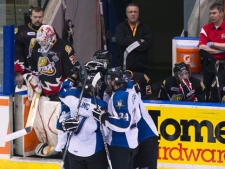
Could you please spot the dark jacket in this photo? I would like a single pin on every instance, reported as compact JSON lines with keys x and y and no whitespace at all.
{"x":137,"y":60}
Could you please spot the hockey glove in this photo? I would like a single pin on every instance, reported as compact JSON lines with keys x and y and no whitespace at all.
{"x":100,"y":115}
{"x":186,"y":88}
{"x":70,"y":124}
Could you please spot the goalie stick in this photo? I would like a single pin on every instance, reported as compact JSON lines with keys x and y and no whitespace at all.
{"x":94,"y":82}
{"x":30,"y":120}
{"x":76,"y":112}
{"x":127,"y":51}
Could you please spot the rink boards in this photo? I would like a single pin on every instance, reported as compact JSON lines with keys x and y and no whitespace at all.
{"x":192,"y":136}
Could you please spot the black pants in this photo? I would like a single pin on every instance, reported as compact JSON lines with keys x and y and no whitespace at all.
{"x":147,"y":154}
{"x":208,"y":72}
{"x":208,"y":77}
{"x":121,"y":157}
{"x":96,"y":161}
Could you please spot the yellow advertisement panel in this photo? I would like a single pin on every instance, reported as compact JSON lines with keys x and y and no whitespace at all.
{"x":190,"y":134}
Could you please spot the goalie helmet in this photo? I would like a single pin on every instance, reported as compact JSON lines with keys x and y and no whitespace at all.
{"x":115,"y":74}
{"x":180,"y":68}
{"x":103,"y":56}
{"x":46,"y":37}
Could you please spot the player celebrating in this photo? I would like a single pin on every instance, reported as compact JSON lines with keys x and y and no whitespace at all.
{"x":86,"y":148}
{"x":121,"y":118}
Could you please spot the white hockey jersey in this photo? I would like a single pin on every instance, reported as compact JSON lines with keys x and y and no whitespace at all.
{"x":124,"y":108}
{"x":87,"y":139}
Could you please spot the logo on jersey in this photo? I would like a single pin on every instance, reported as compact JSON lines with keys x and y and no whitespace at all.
{"x":176,"y":89}
{"x":55,"y":58}
{"x":68,"y":49}
{"x":119,"y":103}
{"x":31,"y":33}
{"x":46,"y":67}
{"x":223,"y":36}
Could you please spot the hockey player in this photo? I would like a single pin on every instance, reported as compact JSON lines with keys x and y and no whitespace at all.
{"x":181,"y":86}
{"x":24,"y":38}
{"x":147,"y":155}
{"x":86,"y":148}
{"x":121,"y":119}
{"x":52,"y":60}
{"x":142,"y":82}
{"x":104,"y":57}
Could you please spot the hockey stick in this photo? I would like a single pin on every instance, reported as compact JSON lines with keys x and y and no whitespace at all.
{"x":210,"y":58}
{"x":102,"y":25}
{"x":94,"y":82}
{"x":84,"y":72}
{"x":30,"y":120}
{"x":127,"y":51}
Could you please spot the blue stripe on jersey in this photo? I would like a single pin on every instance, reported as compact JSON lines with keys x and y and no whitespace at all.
{"x":119,"y":139}
{"x":80,"y":125}
{"x":99,"y":140}
{"x":144,"y":131}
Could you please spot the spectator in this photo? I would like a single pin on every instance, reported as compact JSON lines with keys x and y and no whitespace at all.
{"x":212,"y":40}
{"x":129,"y":31}
{"x":24,"y":37}
{"x":181,"y":86}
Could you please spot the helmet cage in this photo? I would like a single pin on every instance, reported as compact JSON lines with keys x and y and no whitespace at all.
{"x":116,"y":75}
{"x":180,"y":68}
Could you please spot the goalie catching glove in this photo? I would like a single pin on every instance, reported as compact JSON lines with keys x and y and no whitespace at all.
{"x":70,"y":124}
{"x":100,"y":114}
{"x":186,"y":88}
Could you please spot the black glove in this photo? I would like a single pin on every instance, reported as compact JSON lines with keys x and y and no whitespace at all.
{"x":186,"y":88}
{"x":100,"y":114}
{"x":70,"y":124}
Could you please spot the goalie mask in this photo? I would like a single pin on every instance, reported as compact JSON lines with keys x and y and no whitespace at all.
{"x":115,"y":74}
{"x":102,"y":56}
{"x":46,"y":37}
{"x":181,"y":71}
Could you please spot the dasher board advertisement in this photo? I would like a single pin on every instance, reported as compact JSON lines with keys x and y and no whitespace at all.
{"x":189,"y":132}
